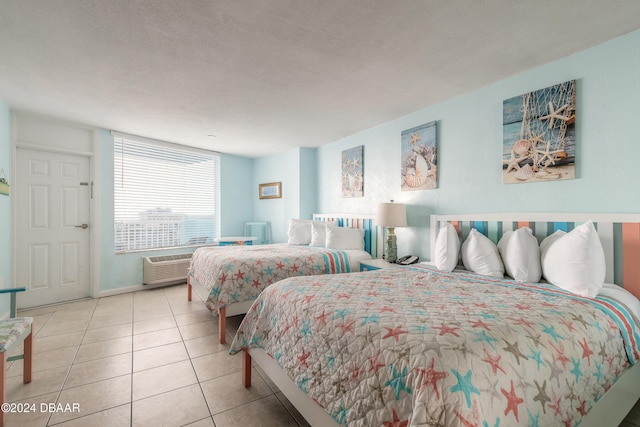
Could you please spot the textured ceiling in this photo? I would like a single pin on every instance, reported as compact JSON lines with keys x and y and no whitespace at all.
{"x":264,"y":76}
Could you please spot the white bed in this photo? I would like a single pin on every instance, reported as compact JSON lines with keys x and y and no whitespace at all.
{"x":239,"y":293}
{"x":620,"y":237}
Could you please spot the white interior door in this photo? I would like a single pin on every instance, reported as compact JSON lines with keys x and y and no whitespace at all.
{"x":52,"y":218}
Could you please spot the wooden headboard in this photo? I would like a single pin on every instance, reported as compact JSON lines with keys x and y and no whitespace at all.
{"x":372,"y":239}
{"x":619,"y":234}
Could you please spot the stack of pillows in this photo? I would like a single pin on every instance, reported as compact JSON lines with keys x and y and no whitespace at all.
{"x":572,"y":261}
{"x":325,"y":234}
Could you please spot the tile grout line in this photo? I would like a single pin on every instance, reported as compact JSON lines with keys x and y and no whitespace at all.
{"x":73,"y":362}
{"x":192,"y":365}
{"x":175,"y":309}
{"x":66,"y":377}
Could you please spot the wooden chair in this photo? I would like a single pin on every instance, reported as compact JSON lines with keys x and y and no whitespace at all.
{"x":14,"y":331}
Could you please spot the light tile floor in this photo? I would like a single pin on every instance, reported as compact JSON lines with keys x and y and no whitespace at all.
{"x":633,"y":418}
{"x":147,"y":358}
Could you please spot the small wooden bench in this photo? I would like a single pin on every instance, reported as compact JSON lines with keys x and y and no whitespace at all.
{"x":14,"y":331}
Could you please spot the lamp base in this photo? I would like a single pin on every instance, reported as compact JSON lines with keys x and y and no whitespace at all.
{"x":391,"y":247}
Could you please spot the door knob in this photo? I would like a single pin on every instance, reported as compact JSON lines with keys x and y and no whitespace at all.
{"x":83,"y":226}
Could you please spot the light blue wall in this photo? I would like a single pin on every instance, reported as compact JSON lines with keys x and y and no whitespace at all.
{"x":470,"y":144}
{"x":125,"y":270}
{"x":308,"y":182}
{"x":296,"y":169}
{"x":277,"y":168}
{"x":236,"y":192}
{"x":6,"y":227}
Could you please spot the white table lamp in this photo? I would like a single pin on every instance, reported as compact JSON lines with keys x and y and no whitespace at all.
{"x":391,"y":215}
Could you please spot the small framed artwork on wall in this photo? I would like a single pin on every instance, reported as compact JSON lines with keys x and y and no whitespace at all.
{"x":539,"y":135}
{"x":353,"y":172}
{"x":4,"y":185}
{"x":271,"y":190}
{"x":419,"y":158}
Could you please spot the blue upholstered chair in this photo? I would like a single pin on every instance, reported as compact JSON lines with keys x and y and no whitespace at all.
{"x":14,"y":331}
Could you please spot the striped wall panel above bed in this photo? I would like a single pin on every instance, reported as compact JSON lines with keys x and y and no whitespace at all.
{"x":619,"y":235}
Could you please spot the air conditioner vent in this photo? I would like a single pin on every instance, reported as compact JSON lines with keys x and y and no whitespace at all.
{"x":169,"y":257}
{"x":166,"y":270}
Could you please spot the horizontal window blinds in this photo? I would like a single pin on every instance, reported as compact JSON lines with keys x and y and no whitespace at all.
{"x":165,"y":195}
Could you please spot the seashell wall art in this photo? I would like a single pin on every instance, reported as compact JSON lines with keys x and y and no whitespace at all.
{"x":538,"y":135}
{"x":353,"y":172}
{"x":419,"y":158}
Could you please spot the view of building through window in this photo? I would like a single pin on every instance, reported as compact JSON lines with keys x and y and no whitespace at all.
{"x":165,"y":195}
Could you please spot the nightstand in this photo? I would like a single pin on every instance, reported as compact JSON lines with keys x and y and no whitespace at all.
{"x":376,"y":264}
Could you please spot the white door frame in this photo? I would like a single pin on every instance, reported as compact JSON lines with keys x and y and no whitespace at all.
{"x":94,"y":206}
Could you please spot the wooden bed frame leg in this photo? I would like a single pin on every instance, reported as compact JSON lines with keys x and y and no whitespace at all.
{"x":27,"y":357}
{"x":222,"y":324}
{"x":188,"y":286}
{"x":3,"y":382}
{"x":246,"y":367}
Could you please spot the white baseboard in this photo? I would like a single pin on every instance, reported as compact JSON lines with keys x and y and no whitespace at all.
{"x":134,"y":288}
{"x":118,"y":291}
{"x":101,"y":294}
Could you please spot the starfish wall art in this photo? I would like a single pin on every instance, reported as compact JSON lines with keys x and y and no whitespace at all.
{"x":353,"y":172}
{"x":419,"y":158}
{"x":538,"y":135}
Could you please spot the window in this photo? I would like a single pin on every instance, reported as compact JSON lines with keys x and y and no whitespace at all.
{"x":165,"y":195}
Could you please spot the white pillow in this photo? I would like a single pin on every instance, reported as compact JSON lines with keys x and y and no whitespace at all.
{"x":447,"y":250}
{"x":299,"y":232}
{"x":521,"y":255}
{"x":548,"y":241}
{"x":574,"y":261}
{"x":480,"y":255}
{"x":344,"y":238}
{"x":319,"y":232}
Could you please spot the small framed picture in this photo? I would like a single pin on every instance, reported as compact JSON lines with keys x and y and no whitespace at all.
{"x":271,"y":190}
{"x":4,"y":185}
{"x":353,"y":172}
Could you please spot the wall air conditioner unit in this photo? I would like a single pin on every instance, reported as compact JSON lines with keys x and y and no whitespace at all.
{"x":166,"y":270}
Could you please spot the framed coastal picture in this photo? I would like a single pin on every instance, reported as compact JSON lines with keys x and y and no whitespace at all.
{"x":419,"y":158}
{"x":353,"y":172}
{"x":271,"y":190}
{"x":4,"y":185}
{"x":539,"y":135}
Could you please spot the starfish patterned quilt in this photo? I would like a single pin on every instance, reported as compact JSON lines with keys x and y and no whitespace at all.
{"x":418,"y":347}
{"x":240,"y":273}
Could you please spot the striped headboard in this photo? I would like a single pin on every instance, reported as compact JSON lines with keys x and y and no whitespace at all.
{"x":619,"y":234}
{"x":372,"y":239}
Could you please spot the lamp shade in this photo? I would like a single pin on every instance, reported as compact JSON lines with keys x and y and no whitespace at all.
{"x":391,"y":215}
